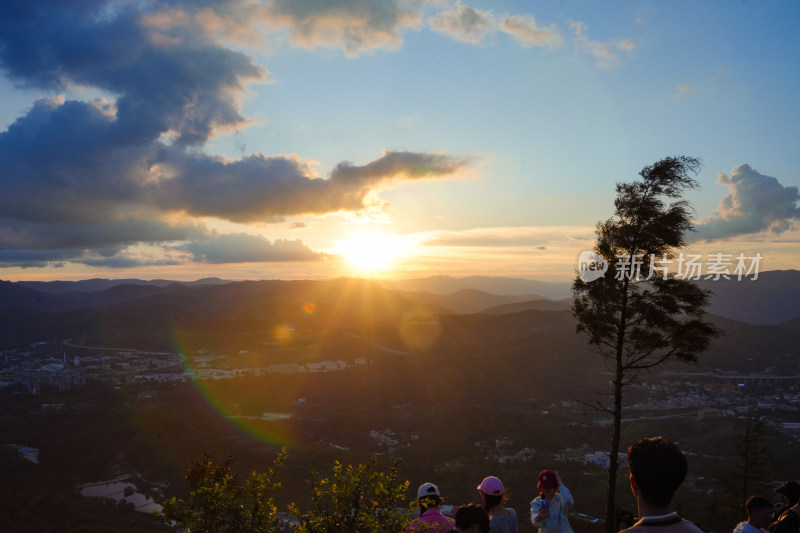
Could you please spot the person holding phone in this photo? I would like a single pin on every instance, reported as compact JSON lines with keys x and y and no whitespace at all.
{"x":550,"y":510}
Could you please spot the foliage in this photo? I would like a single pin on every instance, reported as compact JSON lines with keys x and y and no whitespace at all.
{"x":219,"y":503}
{"x":632,"y":323}
{"x":354,"y":499}
{"x":747,"y":477}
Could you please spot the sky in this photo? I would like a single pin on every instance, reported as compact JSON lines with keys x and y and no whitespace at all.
{"x":290,"y":139}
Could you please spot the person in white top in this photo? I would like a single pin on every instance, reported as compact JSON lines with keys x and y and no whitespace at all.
{"x":550,"y":510}
{"x":759,"y":516}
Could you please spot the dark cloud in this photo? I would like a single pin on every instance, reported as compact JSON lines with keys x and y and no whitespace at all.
{"x":61,"y":165}
{"x":105,"y":257}
{"x":123,"y":260}
{"x":242,"y":248}
{"x":112,"y":232}
{"x":260,"y":188}
{"x":755,"y":203}
{"x":37,"y":258}
{"x":80,"y":176}
{"x":177,"y":82}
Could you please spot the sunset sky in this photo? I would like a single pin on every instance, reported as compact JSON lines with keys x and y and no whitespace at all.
{"x":311,"y":139}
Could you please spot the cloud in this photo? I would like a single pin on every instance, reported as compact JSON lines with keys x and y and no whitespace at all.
{"x":530,"y":237}
{"x":683,"y":89}
{"x":123,"y":231}
{"x":463,"y":23}
{"x":470,"y":25}
{"x":104,"y":243}
{"x":260,"y":188}
{"x":244,"y":248}
{"x":355,"y":26}
{"x":69,"y":182}
{"x":605,"y":53}
{"x":86,"y":181}
{"x":754,"y":204}
{"x":179,"y":83}
{"x":36,"y":258}
{"x":524,"y":29}
{"x":117,"y":257}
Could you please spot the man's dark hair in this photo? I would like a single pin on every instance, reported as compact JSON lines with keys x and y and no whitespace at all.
{"x":471,"y":514}
{"x":658,"y":467}
{"x":757,"y":502}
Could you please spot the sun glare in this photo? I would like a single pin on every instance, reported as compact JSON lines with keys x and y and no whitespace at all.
{"x":371,"y":253}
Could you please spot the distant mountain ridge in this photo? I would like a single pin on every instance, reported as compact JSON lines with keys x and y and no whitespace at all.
{"x":101,"y":284}
{"x":772,"y":298}
{"x":466,"y":301}
{"x":490,"y":284}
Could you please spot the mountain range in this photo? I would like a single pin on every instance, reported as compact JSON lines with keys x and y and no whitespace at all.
{"x":771,"y":298}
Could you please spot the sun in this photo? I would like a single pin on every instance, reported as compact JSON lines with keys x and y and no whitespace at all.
{"x":369,"y":254}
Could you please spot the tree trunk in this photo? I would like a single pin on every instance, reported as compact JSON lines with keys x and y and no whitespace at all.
{"x":619,"y":372}
{"x":613,"y":458}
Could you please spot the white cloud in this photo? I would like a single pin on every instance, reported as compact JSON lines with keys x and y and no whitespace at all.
{"x":355,"y":26}
{"x":754,"y":204}
{"x":605,"y":53}
{"x":525,"y":30}
{"x":683,"y":89}
{"x":505,"y":236}
{"x":463,"y":23}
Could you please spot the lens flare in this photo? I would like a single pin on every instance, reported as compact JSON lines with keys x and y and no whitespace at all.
{"x":284,"y":334}
{"x":420,"y":329}
{"x":226,"y":396}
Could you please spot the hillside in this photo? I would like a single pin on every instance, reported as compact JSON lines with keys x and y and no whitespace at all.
{"x":456,"y":391}
{"x":539,"y":305}
{"x":231,"y":317}
{"x":466,"y":301}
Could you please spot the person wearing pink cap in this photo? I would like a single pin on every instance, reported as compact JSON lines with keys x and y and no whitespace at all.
{"x":501,"y":519}
{"x":550,"y":510}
